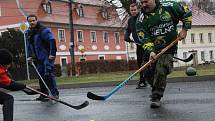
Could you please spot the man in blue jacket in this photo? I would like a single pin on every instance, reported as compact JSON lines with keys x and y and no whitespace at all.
{"x":42,"y":47}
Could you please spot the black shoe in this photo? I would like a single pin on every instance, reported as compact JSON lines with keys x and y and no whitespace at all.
{"x":155,"y":103}
{"x":141,"y":86}
{"x":42,"y":98}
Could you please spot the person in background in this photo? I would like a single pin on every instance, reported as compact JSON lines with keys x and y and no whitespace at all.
{"x":42,"y":49}
{"x":131,"y":29}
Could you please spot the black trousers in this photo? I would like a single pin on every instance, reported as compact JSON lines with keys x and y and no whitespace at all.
{"x":141,"y":56}
{"x":7,"y":101}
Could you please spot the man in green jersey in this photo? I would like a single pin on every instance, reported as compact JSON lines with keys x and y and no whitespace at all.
{"x":157,"y":28}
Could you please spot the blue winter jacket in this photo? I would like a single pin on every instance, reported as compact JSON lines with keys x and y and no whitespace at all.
{"x":41,"y":45}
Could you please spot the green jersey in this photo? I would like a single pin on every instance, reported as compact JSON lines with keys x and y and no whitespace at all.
{"x":158,"y":29}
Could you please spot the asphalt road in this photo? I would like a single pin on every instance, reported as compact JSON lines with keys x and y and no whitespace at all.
{"x":183,"y":101}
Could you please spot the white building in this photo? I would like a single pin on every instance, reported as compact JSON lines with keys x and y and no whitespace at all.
{"x":200,"y":39}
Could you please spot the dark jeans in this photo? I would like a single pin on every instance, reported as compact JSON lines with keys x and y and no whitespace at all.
{"x":141,"y":56}
{"x":46,"y":70}
{"x":7,"y":101}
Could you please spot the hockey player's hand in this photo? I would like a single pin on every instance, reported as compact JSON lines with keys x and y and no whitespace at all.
{"x":182,"y":34}
{"x":152,"y":56}
{"x":15,"y":86}
{"x":51,"y":57}
{"x":30,"y":60}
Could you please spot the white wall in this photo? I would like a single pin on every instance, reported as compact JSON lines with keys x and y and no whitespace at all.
{"x":205,"y":46}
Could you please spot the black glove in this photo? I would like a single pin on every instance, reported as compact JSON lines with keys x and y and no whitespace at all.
{"x":15,"y":86}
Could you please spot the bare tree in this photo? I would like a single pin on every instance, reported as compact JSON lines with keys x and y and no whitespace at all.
{"x":206,"y":5}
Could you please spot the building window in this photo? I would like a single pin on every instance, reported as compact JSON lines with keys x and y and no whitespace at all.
{"x":192,"y":38}
{"x":101,"y":57}
{"x":132,"y":45}
{"x":203,"y":55}
{"x":82,"y":59}
{"x":61,"y":35}
{"x":116,"y":36}
{"x":93,"y":36}
{"x":118,"y":57}
{"x":105,"y":13}
{"x":211,"y":55}
{"x":132,"y":58}
{"x":47,"y":7}
{"x":105,"y":37}
{"x":183,"y":41}
{"x":63,"y":61}
{"x":80,"y":10}
{"x":184,"y":54}
{"x":201,"y":38}
{"x":80,"y":36}
{"x":210,"y":37}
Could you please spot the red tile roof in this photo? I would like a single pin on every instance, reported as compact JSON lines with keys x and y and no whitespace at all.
{"x":92,"y":2}
{"x":60,"y":14}
{"x":30,"y":6}
{"x":201,"y":18}
{"x":10,"y":14}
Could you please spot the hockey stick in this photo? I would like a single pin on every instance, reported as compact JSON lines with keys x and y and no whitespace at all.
{"x":185,"y":60}
{"x":97,"y":97}
{"x":41,"y":78}
{"x":78,"y":107}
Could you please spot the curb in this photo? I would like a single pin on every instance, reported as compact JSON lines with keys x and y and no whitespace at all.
{"x":134,"y":82}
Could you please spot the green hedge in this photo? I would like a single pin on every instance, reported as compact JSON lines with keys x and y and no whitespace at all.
{"x":86,"y":67}
{"x":103,"y":66}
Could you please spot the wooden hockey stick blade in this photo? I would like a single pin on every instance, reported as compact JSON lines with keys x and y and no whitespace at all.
{"x":95,"y":97}
{"x":78,"y":107}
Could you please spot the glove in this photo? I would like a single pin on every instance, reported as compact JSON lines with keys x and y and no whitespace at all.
{"x":30,"y":60}
{"x":15,"y":86}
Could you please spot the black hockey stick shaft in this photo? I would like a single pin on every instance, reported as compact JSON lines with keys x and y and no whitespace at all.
{"x":186,"y":59}
{"x":86,"y":103}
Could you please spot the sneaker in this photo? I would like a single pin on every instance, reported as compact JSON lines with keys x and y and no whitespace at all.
{"x":155,"y":103}
{"x":42,"y":98}
{"x":56,"y":97}
{"x":141,"y":86}
{"x":54,"y":101}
